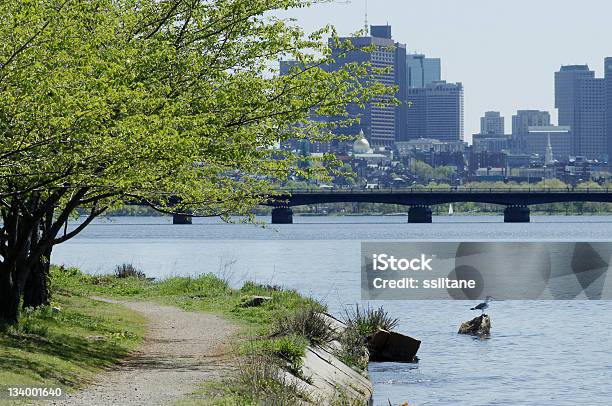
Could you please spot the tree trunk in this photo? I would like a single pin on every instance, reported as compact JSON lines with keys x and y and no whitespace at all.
{"x":9,"y":297}
{"x":36,"y":292}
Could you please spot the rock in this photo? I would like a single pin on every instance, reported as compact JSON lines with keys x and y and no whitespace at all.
{"x":336,"y":325}
{"x":386,"y":346}
{"x":326,"y":379}
{"x":56,"y":309}
{"x":480,"y":326}
{"x":256,"y":301}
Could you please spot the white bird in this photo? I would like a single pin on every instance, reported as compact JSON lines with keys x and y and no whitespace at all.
{"x":484,"y":305}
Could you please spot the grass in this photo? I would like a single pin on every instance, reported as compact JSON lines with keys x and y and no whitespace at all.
{"x":367,"y":320}
{"x":205,"y":293}
{"x":67,"y":348}
{"x":128,"y":271}
{"x":361,"y":323}
{"x":275,"y":334}
{"x":307,"y":322}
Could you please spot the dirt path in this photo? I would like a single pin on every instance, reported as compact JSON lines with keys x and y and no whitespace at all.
{"x":180,"y":351}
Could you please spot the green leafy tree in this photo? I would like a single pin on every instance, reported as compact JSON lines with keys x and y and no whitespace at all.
{"x":421,"y":169}
{"x":172,"y":103}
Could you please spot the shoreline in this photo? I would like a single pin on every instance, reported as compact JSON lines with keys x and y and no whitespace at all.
{"x":306,"y":365}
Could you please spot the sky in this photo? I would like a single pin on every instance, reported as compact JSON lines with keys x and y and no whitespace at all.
{"x":505,"y":52}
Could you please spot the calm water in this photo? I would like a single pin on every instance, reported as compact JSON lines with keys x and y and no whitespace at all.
{"x":540,"y":353}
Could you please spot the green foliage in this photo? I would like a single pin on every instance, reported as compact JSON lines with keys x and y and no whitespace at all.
{"x":173,"y":104}
{"x":308,"y":322}
{"x":67,"y":347}
{"x":206,"y":292}
{"x":129,"y":271}
{"x":200,"y":287}
{"x":353,"y":351}
{"x":290,"y":348}
{"x":426,"y":172}
{"x":367,"y":320}
{"x":32,"y":322}
{"x":361,"y":323}
{"x":124,"y":99}
{"x":261,"y":380}
{"x":278,"y":331}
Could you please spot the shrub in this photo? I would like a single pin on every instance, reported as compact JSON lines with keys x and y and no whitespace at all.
{"x":128,"y":271}
{"x":307,"y":322}
{"x":292,"y":349}
{"x":353,"y":349}
{"x":361,"y":323}
{"x":31,"y":322}
{"x":261,"y":378}
{"x":258,"y":287}
{"x":367,"y":320}
{"x":202,"y":286}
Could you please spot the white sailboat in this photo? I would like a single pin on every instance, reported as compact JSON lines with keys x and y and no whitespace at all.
{"x":451,"y":212}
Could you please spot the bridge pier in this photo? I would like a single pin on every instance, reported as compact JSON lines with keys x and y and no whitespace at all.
{"x":419,"y":215}
{"x":282,"y":215}
{"x":181,"y":219}
{"x":517,"y":214}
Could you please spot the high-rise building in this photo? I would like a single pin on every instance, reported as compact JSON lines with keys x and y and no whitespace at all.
{"x":493,"y":144}
{"x":566,"y":89}
{"x":521,"y":121}
{"x":421,"y":71}
{"x":492,"y":123}
{"x":381,"y":122}
{"x":436,"y":111}
{"x":580,"y":99}
{"x":608,"y":80}
{"x":550,"y":142}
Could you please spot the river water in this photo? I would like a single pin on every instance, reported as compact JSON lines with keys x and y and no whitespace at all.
{"x":540,"y":353}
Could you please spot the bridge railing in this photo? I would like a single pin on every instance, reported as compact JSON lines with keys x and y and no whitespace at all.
{"x":447,"y":190}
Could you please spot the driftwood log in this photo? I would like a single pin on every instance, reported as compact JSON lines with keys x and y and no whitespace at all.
{"x":480,"y":326}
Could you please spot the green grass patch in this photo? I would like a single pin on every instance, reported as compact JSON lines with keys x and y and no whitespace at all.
{"x":50,"y":348}
{"x":205,"y":293}
{"x":275,"y":334}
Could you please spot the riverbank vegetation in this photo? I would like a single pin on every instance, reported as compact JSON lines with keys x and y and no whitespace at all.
{"x":76,"y":337}
{"x":67,"y":343}
{"x":275,"y":334}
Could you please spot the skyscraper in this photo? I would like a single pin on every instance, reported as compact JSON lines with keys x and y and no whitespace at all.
{"x":421,"y":71}
{"x":549,"y":142}
{"x":608,"y":80}
{"x":382,"y":123}
{"x":436,"y":111}
{"x":492,"y":124}
{"x":521,"y":121}
{"x":580,"y":99}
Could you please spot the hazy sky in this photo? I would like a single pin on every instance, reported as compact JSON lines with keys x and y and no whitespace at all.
{"x":504,"y":51}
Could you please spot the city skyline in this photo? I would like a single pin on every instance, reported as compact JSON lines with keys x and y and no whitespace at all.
{"x":482,"y":46}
